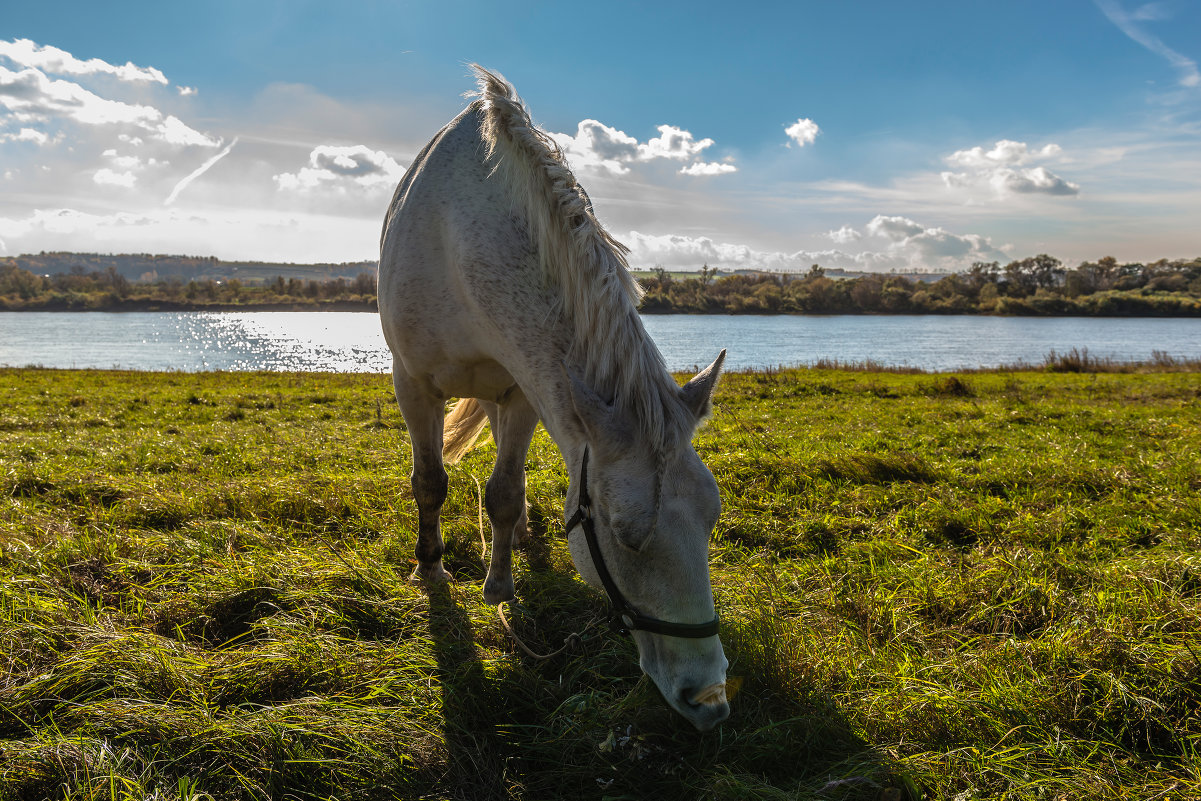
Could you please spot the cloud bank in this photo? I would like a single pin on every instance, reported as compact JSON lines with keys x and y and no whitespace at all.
{"x":32,"y":100}
{"x":901,"y":244}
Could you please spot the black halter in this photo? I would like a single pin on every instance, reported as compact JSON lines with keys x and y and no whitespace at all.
{"x":624,"y":617}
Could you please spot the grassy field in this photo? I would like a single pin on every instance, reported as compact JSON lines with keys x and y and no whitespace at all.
{"x":985,"y":585}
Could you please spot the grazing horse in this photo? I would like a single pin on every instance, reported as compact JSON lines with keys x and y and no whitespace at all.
{"x":499,"y":286}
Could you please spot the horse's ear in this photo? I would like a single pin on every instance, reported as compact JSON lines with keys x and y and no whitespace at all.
{"x":697,"y":394}
{"x":601,"y":422}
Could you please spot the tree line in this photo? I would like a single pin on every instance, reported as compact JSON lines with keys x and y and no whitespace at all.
{"x":152,"y":267}
{"x":1039,"y":285}
{"x":108,"y":289}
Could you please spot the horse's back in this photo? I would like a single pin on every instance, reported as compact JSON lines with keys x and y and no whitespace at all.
{"x":451,"y":252}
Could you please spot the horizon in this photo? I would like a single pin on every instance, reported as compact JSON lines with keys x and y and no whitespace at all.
{"x":872,"y":139}
{"x":681,"y":270}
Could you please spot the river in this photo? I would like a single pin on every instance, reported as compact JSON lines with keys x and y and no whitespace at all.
{"x":352,"y":342}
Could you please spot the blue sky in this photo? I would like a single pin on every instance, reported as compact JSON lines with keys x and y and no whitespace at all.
{"x":871,"y":135}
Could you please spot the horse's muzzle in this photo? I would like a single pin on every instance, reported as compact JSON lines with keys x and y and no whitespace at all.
{"x":705,"y":708}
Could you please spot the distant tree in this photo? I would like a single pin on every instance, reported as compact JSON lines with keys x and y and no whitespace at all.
{"x":1047,"y":270}
{"x":866,"y":291}
{"x":982,"y":273}
{"x":1131,"y":276}
{"x":364,"y":284}
{"x":22,"y":283}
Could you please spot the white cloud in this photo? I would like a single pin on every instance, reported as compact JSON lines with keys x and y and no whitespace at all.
{"x":895,"y":228}
{"x":672,"y":250}
{"x":1005,"y":152}
{"x":1034,"y":180}
{"x":175,"y":132}
{"x":844,"y":235}
{"x":26,"y":135}
{"x":1128,"y":21}
{"x":59,"y":62}
{"x":1002,"y":168}
{"x":708,"y":168}
{"x":931,"y":247}
{"x":804,"y":132}
{"x":186,"y":91}
{"x":125,"y":162}
{"x":672,"y":143}
{"x":30,"y":96}
{"x":339,"y":165}
{"x":106,"y":177}
{"x":599,"y":147}
{"x":131,"y":163}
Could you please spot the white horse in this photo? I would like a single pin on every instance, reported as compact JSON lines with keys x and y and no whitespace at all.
{"x":498,"y":285}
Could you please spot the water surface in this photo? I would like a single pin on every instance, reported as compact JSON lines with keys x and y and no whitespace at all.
{"x":352,"y":341}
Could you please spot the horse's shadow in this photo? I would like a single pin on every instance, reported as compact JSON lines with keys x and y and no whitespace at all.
{"x":518,"y":728}
{"x":475,"y":763}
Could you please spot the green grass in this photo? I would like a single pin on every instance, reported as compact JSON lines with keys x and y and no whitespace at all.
{"x":985,"y":585}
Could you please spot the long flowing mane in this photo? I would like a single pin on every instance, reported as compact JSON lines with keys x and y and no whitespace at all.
{"x":597,"y":293}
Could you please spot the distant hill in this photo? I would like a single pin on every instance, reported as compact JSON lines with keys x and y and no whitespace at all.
{"x":153,"y":267}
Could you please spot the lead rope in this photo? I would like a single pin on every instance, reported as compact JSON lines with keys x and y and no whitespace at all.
{"x":572,"y":640}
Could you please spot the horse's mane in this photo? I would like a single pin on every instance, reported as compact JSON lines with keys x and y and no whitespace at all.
{"x":597,"y":293}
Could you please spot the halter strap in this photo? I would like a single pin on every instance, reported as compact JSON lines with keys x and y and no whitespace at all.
{"x":624,"y":617}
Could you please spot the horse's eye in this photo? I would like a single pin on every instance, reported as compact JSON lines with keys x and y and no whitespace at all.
{"x":630,"y":533}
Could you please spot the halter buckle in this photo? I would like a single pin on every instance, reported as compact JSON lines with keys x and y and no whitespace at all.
{"x":622,"y":622}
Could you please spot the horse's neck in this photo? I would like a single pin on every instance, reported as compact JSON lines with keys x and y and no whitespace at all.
{"x":551,"y":396}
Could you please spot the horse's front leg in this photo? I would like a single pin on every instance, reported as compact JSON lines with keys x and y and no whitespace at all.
{"x":513,"y":426}
{"x":422,"y":408}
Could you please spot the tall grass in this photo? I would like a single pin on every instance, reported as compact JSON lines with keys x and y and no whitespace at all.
{"x":979,"y":585}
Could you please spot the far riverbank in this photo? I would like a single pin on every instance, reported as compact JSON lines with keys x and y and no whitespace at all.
{"x":1036,"y":287}
{"x":1112,"y":304}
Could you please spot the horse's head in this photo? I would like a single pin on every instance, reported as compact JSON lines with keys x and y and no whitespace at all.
{"x":651,"y":511}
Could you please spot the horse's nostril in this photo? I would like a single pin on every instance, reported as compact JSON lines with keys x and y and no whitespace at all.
{"x":706,"y":707}
{"x":706,"y":696}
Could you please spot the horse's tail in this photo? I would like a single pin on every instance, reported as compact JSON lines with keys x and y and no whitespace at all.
{"x":461,"y":429}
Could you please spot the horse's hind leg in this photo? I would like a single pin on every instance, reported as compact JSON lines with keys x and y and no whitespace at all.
{"x":513,"y":424}
{"x":422,"y":408}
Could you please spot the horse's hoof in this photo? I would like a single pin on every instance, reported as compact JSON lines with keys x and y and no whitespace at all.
{"x":497,"y":591}
{"x":431,"y":574}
